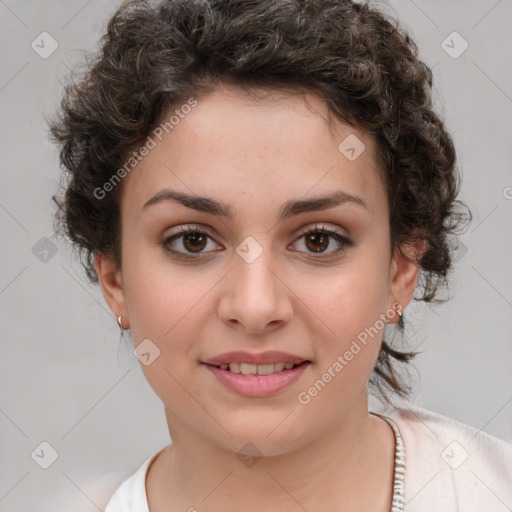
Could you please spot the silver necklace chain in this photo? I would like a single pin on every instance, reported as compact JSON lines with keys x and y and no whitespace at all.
{"x":398,"y":501}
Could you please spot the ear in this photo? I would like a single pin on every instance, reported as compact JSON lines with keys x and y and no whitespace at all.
{"x":112,"y":286}
{"x":404,"y":273}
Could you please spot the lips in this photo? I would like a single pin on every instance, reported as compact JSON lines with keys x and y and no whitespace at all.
{"x":251,"y":358}
{"x":258,"y":385}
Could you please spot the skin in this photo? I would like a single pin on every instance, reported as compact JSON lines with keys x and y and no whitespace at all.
{"x":256,"y":155}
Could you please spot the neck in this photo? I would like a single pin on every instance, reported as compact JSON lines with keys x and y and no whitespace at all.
{"x":353,"y":460}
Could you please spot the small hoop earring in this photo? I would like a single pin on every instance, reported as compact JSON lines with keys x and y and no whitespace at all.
{"x":120,"y":322}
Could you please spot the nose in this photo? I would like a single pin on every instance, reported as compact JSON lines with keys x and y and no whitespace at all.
{"x":256,"y":297}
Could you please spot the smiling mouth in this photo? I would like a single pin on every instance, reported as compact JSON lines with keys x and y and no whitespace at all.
{"x":258,"y":369}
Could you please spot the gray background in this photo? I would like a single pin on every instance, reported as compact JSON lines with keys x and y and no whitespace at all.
{"x":68,"y":381}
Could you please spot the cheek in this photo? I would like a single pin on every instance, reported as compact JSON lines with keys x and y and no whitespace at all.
{"x":165,"y":303}
{"x":160,"y":295}
{"x":351,"y":299}
{"x":164,"y":308}
{"x":351,"y":307}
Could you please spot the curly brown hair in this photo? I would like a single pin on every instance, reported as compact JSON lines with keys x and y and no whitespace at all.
{"x":357,"y":58}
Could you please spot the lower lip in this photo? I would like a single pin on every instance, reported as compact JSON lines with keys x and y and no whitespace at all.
{"x":258,"y":385}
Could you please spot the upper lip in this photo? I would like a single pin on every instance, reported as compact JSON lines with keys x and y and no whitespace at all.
{"x":269,"y":357}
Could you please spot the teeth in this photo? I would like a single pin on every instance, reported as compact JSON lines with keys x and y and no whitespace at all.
{"x":254,"y":369}
{"x":234,"y":367}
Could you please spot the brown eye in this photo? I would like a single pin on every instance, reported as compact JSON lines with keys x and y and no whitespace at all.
{"x":194,"y":242}
{"x":190,"y":241}
{"x":318,"y":241}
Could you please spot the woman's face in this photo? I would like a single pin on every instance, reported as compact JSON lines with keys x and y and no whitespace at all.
{"x":255,"y":281}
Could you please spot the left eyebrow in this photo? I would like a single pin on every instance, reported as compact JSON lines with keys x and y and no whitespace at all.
{"x":298,"y":206}
{"x":289,"y":209}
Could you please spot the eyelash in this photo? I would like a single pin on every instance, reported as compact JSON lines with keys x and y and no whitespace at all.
{"x":341,"y":240}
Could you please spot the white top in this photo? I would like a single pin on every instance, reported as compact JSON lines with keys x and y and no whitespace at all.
{"x":450,"y":467}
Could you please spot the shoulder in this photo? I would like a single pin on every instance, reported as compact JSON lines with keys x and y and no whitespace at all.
{"x":428,"y":430}
{"x":451,"y":464}
{"x":131,"y":495}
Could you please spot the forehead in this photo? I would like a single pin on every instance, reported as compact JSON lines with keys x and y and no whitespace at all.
{"x":270,"y":148}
